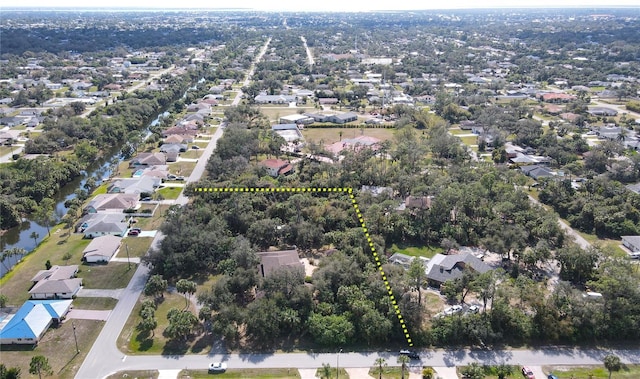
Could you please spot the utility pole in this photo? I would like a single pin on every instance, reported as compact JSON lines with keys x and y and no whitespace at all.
{"x":74,"y":337}
{"x":128,"y":259}
{"x":338,"y":364}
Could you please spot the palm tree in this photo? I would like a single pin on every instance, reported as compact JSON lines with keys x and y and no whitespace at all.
{"x":403,"y":360}
{"x":35,"y":237}
{"x":324,"y":372}
{"x":10,"y":253}
{"x":381,"y":363}
{"x":612,"y":363}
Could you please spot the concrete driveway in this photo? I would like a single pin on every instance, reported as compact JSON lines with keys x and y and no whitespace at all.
{"x":86,"y":314}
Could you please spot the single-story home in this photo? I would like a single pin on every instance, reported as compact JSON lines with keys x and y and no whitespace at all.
{"x":32,"y":320}
{"x":602,"y":111}
{"x":442,"y":268}
{"x":112,"y":202}
{"x":271,"y":261}
{"x":134,"y":185}
{"x":101,"y":249}
{"x":296,"y":119}
{"x":277,"y":167}
{"x":274,"y":99}
{"x":631,"y":242}
{"x":148,"y":159}
{"x":102,"y":224}
{"x":58,"y":282}
{"x":537,"y":171}
{"x":343,"y":118}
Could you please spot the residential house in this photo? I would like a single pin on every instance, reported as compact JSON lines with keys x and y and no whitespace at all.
{"x":275,"y":99}
{"x":148,"y":159}
{"x":58,"y":282}
{"x":271,"y":261}
{"x":102,"y":224}
{"x":31,"y":321}
{"x":176,"y":138}
{"x":602,"y":111}
{"x":173,"y":148}
{"x":537,"y":171}
{"x":101,"y":249}
{"x":442,"y":268}
{"x":277,"y":167}
{"x":343,"y":118}
{"x":112,"y":202}
{"x":317,"y":117}
{"x":631,"y":242}
{"x":136,"y":186}
{"x":554,"y":97}
{"x":416,"y":202}
{"x":296,"y":119}
{"x":180,"y":130}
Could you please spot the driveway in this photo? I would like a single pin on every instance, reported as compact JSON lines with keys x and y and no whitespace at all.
{"x":86,"y":314}
{"x":90,"y":292}
{"x":446,"y":372}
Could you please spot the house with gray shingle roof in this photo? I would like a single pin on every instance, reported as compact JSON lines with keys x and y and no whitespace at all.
{"x":442,"y":268}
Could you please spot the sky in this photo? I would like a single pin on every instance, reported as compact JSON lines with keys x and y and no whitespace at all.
{"x":324,"y":5}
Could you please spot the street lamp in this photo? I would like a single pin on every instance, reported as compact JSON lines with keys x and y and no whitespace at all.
{"x":338,"y":365}
{"x":74,"y":337}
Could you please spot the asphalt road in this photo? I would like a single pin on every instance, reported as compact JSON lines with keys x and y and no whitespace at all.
{"x":439,"y":358}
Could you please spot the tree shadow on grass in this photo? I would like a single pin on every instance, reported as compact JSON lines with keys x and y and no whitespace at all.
{"x":145,"y":341}
{"x":175,"y":347}
{"x":204,"y":342}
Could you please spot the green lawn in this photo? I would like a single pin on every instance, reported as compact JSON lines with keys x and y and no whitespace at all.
{"x":107,"y":276}
{"x":416,"y":251}
{"x":16,"y":284}
{"x":182,"y":168}
{"x":131,"y":341}
{"x":95,"y":303}
{"x":138,"y":246}
{"x":58,"y":345}
{"x":388,"y":372}
{"x":170,"y":193}
{"x":597,"y":372}
{"x":272,"y":373}
{"x":471,"y":140}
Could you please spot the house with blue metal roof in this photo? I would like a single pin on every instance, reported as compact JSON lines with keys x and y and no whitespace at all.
{"x":32,"y":320}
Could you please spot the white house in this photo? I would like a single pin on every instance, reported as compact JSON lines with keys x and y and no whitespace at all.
{"x":101,"y":249}
{"x":32,"y":320}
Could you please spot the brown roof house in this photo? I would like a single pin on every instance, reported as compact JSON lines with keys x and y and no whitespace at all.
{"x":271,"y":261}
{"x":58,"y":282}
{"x":101,"y":249}
{"x":148,"y":159}
{"x":277,"y":167}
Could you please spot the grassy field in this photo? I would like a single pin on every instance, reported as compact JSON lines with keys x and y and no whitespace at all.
{"x":331,"y":135}
{"x":133,"y":342}
{"x":416,"y":251}
{"x":471,"y":140}
{"x":388,"y":373}
{"x":58,"y":346}
{"x":182,"y":168}
{"x":138,"y":246}
{"x":592,"y":372}
{"x":95,"y":303}
{"x":170,"y":193}
{"x":16,"y":284}
{"x":153,"y":223}
{"x":106,"y":276}
{"x":272,"y":373}
{"x":140,"y":374}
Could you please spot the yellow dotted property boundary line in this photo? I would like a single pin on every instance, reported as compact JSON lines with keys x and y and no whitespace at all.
{"x":363,"y":225}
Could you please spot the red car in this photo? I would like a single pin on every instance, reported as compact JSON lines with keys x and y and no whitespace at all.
{"x":526,"y":371}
